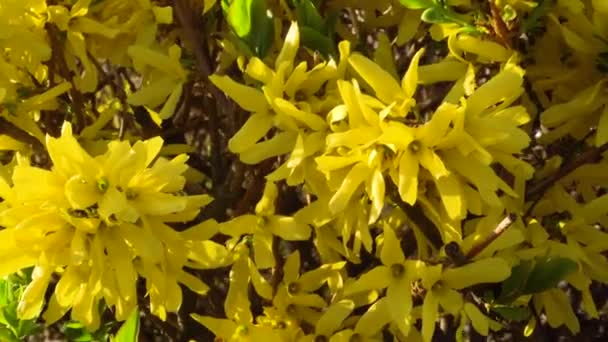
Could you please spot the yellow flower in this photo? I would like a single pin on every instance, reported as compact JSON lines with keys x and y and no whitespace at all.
{"x":442,"y":286}
{"x":396,"y":275}
{"x":399,"y":97}
{"x":330,"y":322}
{"x":239,"y":324}
{"x":269,"y":106}
{"x":98,"y":222}
{"x":264,"y":225}
{"x":298,"y":289}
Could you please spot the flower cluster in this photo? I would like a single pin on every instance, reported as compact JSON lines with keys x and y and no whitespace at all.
{"x":100,"y":222}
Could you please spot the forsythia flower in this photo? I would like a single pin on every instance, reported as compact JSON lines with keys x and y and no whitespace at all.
{"x":396,"y":274}
{"x":98,"y":222}
{"x":264,"y":225}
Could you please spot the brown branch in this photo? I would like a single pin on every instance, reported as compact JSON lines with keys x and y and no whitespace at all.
{"x":416,"y":214}
{"x":537,"y":190}
{"x":197,"y":42}
{"x":58,"y":64}
{"x":500,"y":228}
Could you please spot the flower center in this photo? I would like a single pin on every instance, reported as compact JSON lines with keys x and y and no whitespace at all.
{"x":291,"y":309}
{"x":242,"y":330}
{"x":414,"y":146}
{"x":321,"y":338}
{"x":397,"y":270}
{"x":103,"y":184}
{"x":355,"y":338}
{"x":293,"y":288}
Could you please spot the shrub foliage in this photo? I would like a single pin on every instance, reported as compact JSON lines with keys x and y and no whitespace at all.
{"x":300,"y":170}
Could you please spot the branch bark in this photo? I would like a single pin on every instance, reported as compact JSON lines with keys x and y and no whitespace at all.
{"x":416,"y":214}
{"x":537,"y":190}
{"x":500,"y":228}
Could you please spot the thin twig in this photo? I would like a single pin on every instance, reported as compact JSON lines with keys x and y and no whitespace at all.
{"x":537,"y":190}
{"x":197,"y":43}
{"x":58,"y":64}
{"x":416,"y":214}
{"x":500,"y":228}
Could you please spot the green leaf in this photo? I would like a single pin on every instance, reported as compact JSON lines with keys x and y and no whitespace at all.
{"x":129,"y":330}
{"x":27,"y":328}
{"x":316,"y":41}
{"x":534,"y":21}
{"x":441,"y":15}
{"x":7,"y":335}
{"x":417,"y":4}
{"x":251,"y":21}
{"x":547,"y":273}
{"x":513,"y":286}
{"x":308,"y":15}
{"x":513,"y":313}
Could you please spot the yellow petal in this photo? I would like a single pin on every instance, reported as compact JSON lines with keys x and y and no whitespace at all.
{"x":479,"y":321}
{"x":601,"y":137}
{"x":87,"y":81}
{"x":378,"y":189}
{"x":490,"y":270}
{"x":193,"y":283}
{"x":400,"y":303}
{"x":153,"y":94}
{"x":386,"y":87}
{"x":290,"y":46}
{"x":391,"y":252}
{"x":408,"y":26}
{"x":451,"y":196}
{"x":357,"y":175}
{"x":163,"y":15}
{"x":409,"y":81}
{"x":431,"y":161}
{"x":430,"y":308}
{"x":262,"y":250}
{"x":312,"y":120}
{"x":383,"y":55}
{"x":208,"y":254}
{"x":448,"y":70}
{"x":259,"y":71}
{"x":488,"y":50}
{"x":408,"y":178}
{"x":375,"y":279}
{"x":81,"y":193}
{"x":288,"y":228}
{"x":332,"y":318}
{"x":280,"y":144}
{"x":146,"y":56}
{"x":222,"y":328}
{"x":32,"y":299}
{"x":260,"y":284}
{"x":248,"y":98}
{"x":506,"y":84}
{"x":171,"y":104}
{"x":90,"y":26}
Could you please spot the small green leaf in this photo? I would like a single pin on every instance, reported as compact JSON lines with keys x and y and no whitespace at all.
{"x":547,"y":273}
{"x":512,"y":313}
{"x":251,"y":21}
{"x":513,"y":286}
{"x":534,"y":20}
{"x":308,"y":15}
{"x":129,"y":330}
{"x":435,"y":15}
{"x":239,"y":17}
{"x":7,"y":335}
{"x":417,"y":4}
{"x":316,"y":41}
